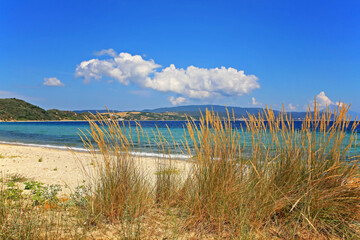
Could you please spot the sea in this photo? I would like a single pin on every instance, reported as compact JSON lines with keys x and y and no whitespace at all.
{"x":66,"y":134}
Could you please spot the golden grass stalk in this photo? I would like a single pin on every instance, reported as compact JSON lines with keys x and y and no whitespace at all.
{"x":120,"y":190}
{"x":290,"y":179}
{"x":265,"y":179}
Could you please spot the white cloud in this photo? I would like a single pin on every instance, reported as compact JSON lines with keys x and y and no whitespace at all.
{"x":340,"y":104}
{"x":53,"y":82}
{"x":176,"y":101}
{"x":254,"y":102}
{"x":194,"y":82}
{"x":110,"y":52}
{"x":322,"y":100}
{"x":291,"y":107}
{"x":191,"y":82}
{"x":124,"y":68}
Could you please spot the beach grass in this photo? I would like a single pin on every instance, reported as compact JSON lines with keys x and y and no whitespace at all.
{"x":293,"y":182}
{"x":266,"y":181}
{"x":301,"y":183}
{"x":16,"y":177}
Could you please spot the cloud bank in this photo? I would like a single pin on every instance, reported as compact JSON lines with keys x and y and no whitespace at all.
{"x":53,"y":82}
{"x":176,"y":101}
{"x":191,"y":82}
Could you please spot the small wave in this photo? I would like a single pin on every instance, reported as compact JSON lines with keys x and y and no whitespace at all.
{"x":45,"y":146}
{"x":77,"y":149}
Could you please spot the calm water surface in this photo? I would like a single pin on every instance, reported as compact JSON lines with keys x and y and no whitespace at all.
{"x":66,"y":134}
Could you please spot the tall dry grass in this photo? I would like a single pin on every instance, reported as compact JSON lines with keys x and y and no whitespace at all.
{"x":119,"y":189}
{"x":264,"y":181}
{"x":290,"y":181}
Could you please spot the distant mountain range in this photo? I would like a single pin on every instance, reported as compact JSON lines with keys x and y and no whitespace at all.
{"x":195,"y":111}
{"x":96,"y":111}
{"x":190,"y":110}
{"x":16,"y":109}
{"x":239,"y":112}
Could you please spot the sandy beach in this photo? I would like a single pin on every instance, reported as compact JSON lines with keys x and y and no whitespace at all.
{"x":63,"y":167}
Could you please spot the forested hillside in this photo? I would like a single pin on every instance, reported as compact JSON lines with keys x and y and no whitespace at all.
{"x":12,"y":109}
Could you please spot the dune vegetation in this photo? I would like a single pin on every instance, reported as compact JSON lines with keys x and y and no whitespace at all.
{"x":282,"y":184}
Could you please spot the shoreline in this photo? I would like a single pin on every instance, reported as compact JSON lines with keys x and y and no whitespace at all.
{"x":179,"y":157}
{"x":54,"y":147}
{"x":25,"y":121}
{"x":64,"y":166}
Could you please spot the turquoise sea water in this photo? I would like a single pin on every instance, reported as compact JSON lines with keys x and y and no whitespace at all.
{"x":66,"y":134}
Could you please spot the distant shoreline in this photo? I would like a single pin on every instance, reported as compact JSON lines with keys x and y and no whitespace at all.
{"x":95,"y":120}
{"x":45,"y":121}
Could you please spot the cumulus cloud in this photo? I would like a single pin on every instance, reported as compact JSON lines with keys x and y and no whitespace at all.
{"x":53,"y":82}
{"x":254,"y":102}
{"x":292,"y":107}
{"x":124,"y":68}
{"x":201,"y":83}
{"x":322,"y":100}
{"x":340,"y":104}
{"x":190,"y":82}
{"x":176,"y":101}
{"x":110,"y":52}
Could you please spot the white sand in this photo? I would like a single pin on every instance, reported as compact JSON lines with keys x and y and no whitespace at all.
{"x":52,"y":166}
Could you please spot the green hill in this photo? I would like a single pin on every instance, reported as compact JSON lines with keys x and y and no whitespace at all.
{"x":12,"y":109}
{"x":195,"y":111}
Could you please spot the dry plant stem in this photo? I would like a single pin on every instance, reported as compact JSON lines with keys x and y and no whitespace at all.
{"x":268,"y":179}
{"x":300,"y":178}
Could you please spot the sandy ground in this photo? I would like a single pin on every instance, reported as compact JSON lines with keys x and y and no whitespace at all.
{"x":52,"y":166}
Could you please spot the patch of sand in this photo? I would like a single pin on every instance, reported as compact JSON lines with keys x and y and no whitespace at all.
{"x":63,"y":167}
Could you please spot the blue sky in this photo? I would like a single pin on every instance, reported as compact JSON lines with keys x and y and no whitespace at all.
{"x":179,"y":52}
